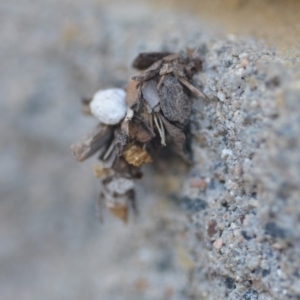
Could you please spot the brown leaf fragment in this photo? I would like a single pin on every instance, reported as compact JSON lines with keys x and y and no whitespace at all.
{"x":146,"y":59}
{"x":178,"y":137}
{"x":175,"y":103}
{"x":132,"y":93}
{"x":145,"y":118}
{"x":136,"y":155}
{"x":191,"y":88}
{"x":150,"y":73}
{"x":120,"y":212}
{"x":92,"y":142}
{"x":171,"y":57}
{"x":139,"y":132}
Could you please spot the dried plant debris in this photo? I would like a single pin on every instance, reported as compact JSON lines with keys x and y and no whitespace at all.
{"x":153,"y":111}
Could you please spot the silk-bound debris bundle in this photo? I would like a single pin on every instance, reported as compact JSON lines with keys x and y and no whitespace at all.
{"x":152,"y":111}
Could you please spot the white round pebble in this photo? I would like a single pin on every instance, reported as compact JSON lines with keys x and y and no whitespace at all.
{"x":109,"y":106}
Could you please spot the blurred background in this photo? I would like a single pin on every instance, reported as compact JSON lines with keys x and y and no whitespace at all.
{"x":53,"y":52}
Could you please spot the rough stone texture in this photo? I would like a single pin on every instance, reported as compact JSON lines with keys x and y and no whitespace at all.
{"x":245,"y":240}
{"x":226,"y":229}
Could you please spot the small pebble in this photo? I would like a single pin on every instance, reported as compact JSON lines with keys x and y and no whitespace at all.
{"x":120,"y":185}
{"x":109,"y":106}
{"x":221,"y":96}
{"x":225,"y":153}
{"x":218,"y":244}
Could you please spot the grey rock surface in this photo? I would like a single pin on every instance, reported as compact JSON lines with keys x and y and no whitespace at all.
{"x":246,"y":143}
{"x":228,"y":228}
